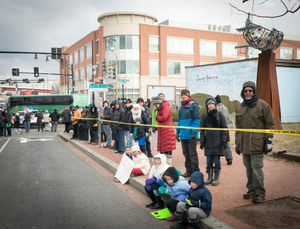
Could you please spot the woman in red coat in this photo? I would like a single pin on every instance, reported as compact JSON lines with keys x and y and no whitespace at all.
{"x":166,"y":136}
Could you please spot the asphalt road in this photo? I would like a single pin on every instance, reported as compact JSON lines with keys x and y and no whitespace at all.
{"x":44,"y":184}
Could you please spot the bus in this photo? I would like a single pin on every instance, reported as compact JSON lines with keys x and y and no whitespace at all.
{"x":46,"y":102}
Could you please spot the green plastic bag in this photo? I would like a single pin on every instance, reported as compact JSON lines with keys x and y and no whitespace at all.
{"x":8,"y":125}
{"x":161,"y":214}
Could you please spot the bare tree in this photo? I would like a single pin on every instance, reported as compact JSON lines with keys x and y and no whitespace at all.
{"x":293,"y":9}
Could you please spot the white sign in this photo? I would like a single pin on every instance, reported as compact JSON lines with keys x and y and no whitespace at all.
{"x":124,"y":169}
{"x":169,"y":92}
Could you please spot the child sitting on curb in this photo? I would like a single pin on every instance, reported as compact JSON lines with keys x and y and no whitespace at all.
{"x":154,"y":181}
{"x":142,"y":165}
{"x":198,"y":204}
{"x":139,"y":135}
{"x":128,"y":154}
{"x":178,"y":189}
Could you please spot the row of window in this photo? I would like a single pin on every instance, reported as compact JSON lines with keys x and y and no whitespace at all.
{"x":55,"y":100}
{"x":88,"y":49}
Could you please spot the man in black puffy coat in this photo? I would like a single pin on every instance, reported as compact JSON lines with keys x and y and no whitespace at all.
{"x":66,"y":114}
{"x":118,"y":128}
{"x":54,"y":116}
{"x":107,"y":115}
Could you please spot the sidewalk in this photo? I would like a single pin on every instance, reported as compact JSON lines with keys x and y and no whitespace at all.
{"x":280,"y":180}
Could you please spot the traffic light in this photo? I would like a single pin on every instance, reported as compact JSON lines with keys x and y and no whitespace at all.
{"x":113,"y":71}
{"x":36,"y":71}
{"x":103,"y":65}
{"x":73,"y":85}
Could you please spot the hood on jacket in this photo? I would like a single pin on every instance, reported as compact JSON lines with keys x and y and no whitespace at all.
{"x":162,"y":158}
{"x":197,"y":177}
{"x":171,"y":172}
{"x":210,"y":98}
{"x":138,"y":106}
{"x":248,"y":84}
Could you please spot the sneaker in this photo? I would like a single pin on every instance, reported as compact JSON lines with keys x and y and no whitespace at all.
{"x":38,"y":131}
{"x":115,"y":150}
{"x":172,"y":217}
{"x":258,"y":198}
{"x":249,"y":195}
{"x":107,"y":146}
{"x":186,"y":174}
{"x":116,"y":179}
{"x":120,"y":152}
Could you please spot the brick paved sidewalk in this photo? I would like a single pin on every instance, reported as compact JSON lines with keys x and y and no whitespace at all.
{"x":280,"y":180}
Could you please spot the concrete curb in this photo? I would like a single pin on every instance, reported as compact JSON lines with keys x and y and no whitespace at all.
{"x":137,"y":182}
{"x":288,"y":156}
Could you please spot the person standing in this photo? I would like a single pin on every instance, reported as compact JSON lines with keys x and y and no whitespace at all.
{"x":189,"y":116}
{"x":1,"y":126}
{"x":253,"y":113}
{"x":89,"y":123}
{"x":66,"y":114}
{"x":54,"y":116}
{"x":46,"y":118}
{"x":8,"y":117}
{"x":39,"y":121}
{"x":17,"y":124}
{"x":126,"y":119}
{"x":95,"y":125}
{"x":214,"y":142}
{"x":27,"y":118}
{"x":229,"y":121}
{"x":76,"y":114}
{"x":119,"y":132}
{"x":107,"y":114}
{"x":166,"y":136}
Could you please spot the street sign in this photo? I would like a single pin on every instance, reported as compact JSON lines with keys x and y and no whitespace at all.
{"x":98,"y":87}
{"x":15,"y":72}
{"x":123,"y":80}
{"x":95,"y":66}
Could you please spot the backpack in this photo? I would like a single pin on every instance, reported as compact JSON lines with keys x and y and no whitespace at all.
{"x":1,"y":122}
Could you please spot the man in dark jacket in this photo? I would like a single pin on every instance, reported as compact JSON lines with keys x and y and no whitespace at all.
{"x":39,"y":121}
{"x":189,"y":116}
{"x":54,"y":120}
{"x":27,"y":118}
{"x":125,"y":118}
{"x":141,"y":102}
{"x":107,"y":115}
{"x":119,"y":132}
{"x":66,"y":114}
{"x":8,"y":117}
{"x":253,"y":113}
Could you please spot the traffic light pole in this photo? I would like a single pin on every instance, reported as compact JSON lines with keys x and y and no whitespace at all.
{"x":116,"y":68}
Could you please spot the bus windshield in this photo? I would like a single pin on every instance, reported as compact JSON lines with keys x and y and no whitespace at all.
{"x":45,"y":102}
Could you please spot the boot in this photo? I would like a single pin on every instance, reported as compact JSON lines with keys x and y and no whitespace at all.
{"x":150,"y":204}
{"x":193,"y":225}
{"x":172,"y":217}
{"x":113,"y":146}
{"x":159,"y":203}
{"x":95,"y":143}
{"x":150,"y":155}
{"x":169,"y":160}
{"x":217,"y":176}
{"x":210,"y":176}
{"x":180,"y":222}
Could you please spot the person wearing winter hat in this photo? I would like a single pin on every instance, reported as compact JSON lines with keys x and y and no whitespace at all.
{"x":253,"y":113}
{"x":126,"y":119}
{"x":214,"y":142}
{"x":229,"y":121}
{"x":142,"y":165}
{"x":66,"y":114}
{"x":118,"y":128}
{"x":139,"y":134}
{"x":107,"y":115}
{"x":189,"y":116}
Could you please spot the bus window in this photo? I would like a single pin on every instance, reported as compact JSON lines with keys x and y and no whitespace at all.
{"x":48,"y":100}
{"x":27,"y":101}
{"x":38,"y":100}
{"x":66,"y":100}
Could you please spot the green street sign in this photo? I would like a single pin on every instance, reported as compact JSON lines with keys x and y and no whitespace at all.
{"x":98,"y":87}
{"x":123,"y":80}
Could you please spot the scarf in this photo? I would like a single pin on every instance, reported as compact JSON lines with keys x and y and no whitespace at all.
{"x":136,"y":114}
{"x":212,"y":119}
{"x":185,"y":102}
{"x":251,"y":102}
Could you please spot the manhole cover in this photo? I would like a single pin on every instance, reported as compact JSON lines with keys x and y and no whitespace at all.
{"x":278,"y":213}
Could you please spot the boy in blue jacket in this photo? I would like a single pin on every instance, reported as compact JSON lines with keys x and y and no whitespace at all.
{"x":198,"y":203}
{"x":178,"y":189}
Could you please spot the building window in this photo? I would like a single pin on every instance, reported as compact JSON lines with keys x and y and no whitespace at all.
{"x":81,"y":54}
{"x":178,"y":68}
{"x":180,"y":45}
{"x":286,"y":53}
{"x":97,"y":47}
{"x":128,"y":67}
{"x":154,"y":68}
{"x":208,"y":47}
{"x":228,"y":49}
{"x":70,"y":59}
{"x":123,"y":42}
{"x":298,"y":54}
{"x":153,"y":44}
{"x":81,"y":74}
{"x":89,"y":73}
{"x":75,"y":57}
{"x":76,"y":75}
{"x":89,"y":51}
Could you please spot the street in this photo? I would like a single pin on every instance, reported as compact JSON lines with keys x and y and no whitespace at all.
{"x":44,"y":184}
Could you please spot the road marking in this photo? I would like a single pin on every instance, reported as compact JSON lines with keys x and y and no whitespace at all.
{"x":4,"y":145}
{"x":25,"y":140}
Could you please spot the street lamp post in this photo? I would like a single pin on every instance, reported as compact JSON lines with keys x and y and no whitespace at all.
{"x":116,"y":68}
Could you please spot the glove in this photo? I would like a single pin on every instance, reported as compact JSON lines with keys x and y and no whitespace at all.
{"x":237,"y":151}
{"x":154,"y":129}
{"x":192,"y":203}
{"x":177,"y":137}
{"x":163,"y":190}
{"x":268,"y":144}
{"x":224,"y":145}
{"x":193,"y":137}
{"x":202,"y":145}
{"x":150,"y":180}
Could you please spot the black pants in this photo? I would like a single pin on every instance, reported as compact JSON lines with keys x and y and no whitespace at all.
{"x":190,"y":153}
{"x":150,"y":193}
{"x":40,"y":125}
{"x":75,"y":134}
{"x":1,"y":131}
{"x":143,"y":149}
{"x":92,"y":136}
{"x":148,"y":145}
{"x":171,"y":204}
{"x":67,"y":124}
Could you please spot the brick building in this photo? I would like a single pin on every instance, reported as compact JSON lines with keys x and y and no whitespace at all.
{"x":147,"y":53}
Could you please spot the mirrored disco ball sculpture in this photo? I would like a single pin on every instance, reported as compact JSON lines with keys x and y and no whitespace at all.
{"x":261,"y":38}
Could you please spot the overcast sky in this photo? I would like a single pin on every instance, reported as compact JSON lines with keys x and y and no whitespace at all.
{"x":38,"y":25}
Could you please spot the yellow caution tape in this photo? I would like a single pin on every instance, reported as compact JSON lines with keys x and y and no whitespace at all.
{"x":285,"y":132}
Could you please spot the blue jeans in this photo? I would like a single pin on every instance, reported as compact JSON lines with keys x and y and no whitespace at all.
{"x":27,"y":126}
{"x":8,"y":131}
{"x":107,"y":132}
{"x":128,"y":136}
{"x":120,"y":140}
{"x":213,"y":159}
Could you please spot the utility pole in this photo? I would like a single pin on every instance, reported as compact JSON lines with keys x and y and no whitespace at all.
{"x":116,"y":68}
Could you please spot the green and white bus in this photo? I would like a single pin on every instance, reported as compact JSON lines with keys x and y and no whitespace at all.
{"x":46,"y":102}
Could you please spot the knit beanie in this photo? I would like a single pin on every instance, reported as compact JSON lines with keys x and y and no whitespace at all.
{"x":140,"y":100}
{"x":135,"y":148}
{"x":210,"y":101}
{"x":185,"y":92}
{"x":218,"y":99}
{"x":138,"y":120}
{"x":129,"y":145}
{"x":157,"y":100}
{"x":128,"y":101}
{"x":161,"y":93}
